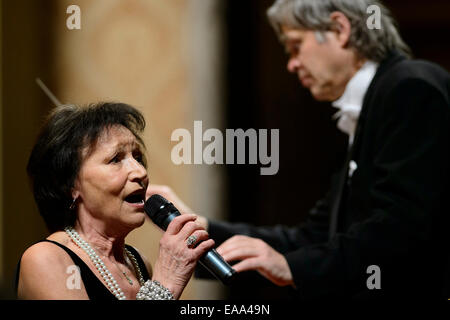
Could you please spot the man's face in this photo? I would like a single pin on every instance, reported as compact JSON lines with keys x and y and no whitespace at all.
{"x":322,"y":67}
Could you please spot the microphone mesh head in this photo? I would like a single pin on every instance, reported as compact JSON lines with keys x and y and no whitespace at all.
{"x":153,"y":204}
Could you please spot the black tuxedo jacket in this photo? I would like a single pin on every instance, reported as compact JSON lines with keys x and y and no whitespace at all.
{"x":393,"y":212}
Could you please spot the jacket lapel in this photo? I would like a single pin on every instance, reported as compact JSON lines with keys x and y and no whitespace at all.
{"x":343,"y":175}
{"x":384,"y":66}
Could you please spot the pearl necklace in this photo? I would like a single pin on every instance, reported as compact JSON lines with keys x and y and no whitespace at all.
{"x":108,"y":278}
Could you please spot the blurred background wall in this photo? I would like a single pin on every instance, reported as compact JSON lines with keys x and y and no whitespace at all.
{"x":178,"y":61}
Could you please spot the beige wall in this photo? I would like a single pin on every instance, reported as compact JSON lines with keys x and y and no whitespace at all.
{"x":139,"y":52}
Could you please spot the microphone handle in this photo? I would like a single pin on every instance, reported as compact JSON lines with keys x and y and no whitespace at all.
{"x":214,"y":263}
{"x":211,"y":260}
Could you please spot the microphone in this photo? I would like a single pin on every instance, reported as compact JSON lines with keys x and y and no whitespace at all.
{"x":162,"y":212}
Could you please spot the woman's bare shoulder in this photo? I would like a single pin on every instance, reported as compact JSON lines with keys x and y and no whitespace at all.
{"x":44,"y":272}
{"x":46,"y":253}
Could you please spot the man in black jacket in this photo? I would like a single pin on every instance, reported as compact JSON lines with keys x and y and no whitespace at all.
{"x":383,"y":228}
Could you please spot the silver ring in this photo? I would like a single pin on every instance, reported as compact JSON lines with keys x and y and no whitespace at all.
{"x":191,"y":240}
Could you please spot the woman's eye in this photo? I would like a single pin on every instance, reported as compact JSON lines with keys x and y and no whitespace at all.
{"x":139,"y":158}
{"x":116,"y":159}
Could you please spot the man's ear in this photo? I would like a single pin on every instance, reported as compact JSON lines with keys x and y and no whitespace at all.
{"x":341,"y":27}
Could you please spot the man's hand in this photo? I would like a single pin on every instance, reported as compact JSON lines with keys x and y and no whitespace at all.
{"x":255,"y":254}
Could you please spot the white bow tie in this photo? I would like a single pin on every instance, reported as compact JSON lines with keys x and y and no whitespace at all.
{"x":351,"y":101}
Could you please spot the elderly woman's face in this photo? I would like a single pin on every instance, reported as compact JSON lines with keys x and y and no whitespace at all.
{"x":112,"y":180}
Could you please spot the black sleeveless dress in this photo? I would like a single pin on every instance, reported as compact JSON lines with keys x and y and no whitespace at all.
{"x":94,"y":286}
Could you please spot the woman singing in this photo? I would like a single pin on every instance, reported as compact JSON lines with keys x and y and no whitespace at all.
{"x":89,"y":179}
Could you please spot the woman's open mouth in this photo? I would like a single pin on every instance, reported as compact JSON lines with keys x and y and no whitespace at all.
{"x":136,"y":199}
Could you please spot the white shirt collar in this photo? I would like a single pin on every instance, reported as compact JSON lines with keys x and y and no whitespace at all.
{"x":350,"y":103}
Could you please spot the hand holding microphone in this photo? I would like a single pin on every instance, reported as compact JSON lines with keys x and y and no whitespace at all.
{"x":162,"y":213}
{"x":176,"y":259}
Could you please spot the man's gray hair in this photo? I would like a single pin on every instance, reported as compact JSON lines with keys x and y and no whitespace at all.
{"x":373,"y":44}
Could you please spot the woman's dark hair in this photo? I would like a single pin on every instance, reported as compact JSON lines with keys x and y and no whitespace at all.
{"x":56,"y":157}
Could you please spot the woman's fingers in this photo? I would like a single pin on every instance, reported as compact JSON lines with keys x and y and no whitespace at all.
{"x":189,"y":228}
{"x":177,"y":256}
{"x":183,"y":226}
{"x":178,"y":223}
{"x":203,"y":247}
{"x":200,"y":235}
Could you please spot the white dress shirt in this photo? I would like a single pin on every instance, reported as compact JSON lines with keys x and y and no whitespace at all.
{"x":350,"y":103}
